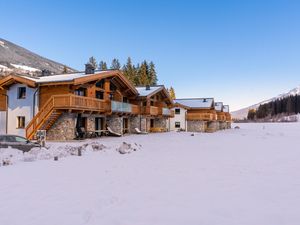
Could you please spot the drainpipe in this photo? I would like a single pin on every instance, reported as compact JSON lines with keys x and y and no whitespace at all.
{"x":6,"y":114}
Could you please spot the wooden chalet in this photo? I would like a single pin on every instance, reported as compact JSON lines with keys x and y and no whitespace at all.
{"x":93,"y":100}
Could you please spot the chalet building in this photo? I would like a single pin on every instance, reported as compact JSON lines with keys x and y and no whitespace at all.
{"x":228,"y":116}
{"x":93,"y":100}
{"x":199,"y":115}
{"x":156,"y":103}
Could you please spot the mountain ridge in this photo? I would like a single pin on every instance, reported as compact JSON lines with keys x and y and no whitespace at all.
{"x":17,"y":59}
{"x":242,"y":113}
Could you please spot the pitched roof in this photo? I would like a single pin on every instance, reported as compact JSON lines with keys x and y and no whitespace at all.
{"x":199,"y":103}
{"x":219,"y":106}
{"x":143,"y":92}
{"x":226,"y":108}
{"x":72,"y":78}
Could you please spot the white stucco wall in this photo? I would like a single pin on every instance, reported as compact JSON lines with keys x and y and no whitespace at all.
{"x":2,"y":122}
{"x":178,"y":118}
{"x":20,"y":107}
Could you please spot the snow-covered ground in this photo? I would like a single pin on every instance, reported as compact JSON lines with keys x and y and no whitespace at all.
{"x":247,"y":176}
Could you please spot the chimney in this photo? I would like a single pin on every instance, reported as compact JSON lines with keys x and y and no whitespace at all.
{"x":147,"y":87}
{"x":89,"y":69}
{"x":46,"y":73}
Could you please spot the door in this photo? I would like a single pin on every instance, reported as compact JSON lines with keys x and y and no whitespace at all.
{"x":151,"y":123}
{"x":125,"y":125}
{"x":99,"y":124}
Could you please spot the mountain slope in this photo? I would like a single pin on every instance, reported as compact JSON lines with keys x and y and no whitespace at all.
{"x":242,"y":113}
{"x":14,"y":58}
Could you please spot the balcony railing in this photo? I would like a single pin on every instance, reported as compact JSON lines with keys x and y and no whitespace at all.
{"x":123,"y":107}
{"x":167,"y":112}
{"x":201,"y":116}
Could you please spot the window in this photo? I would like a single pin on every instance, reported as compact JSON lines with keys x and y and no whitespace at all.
{"x":177,"y":124}
{"x":100,"y":84}
{"x":21,"y":122}
{"x":177,"y":111}
{"x":99,"y":94}
{"x":80,"y":92}
{"x":20,"y":139}
{"x":21,"y":92}
{"x":125,"y":99}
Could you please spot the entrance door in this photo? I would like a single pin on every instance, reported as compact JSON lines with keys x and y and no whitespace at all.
{"x":151,"y":123}
{"x":99,"y":124}
{"x":125,"y":125}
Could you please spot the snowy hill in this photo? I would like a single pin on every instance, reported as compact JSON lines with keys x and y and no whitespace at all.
{"x":242,"y":113}
{"x":14,"y":58}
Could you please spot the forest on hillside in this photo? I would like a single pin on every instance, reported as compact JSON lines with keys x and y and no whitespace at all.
{"x":288,"y":105}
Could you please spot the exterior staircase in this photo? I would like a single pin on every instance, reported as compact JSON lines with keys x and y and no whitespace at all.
{"x":57,"y":104}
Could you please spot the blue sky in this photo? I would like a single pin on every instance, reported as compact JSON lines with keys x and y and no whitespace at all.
{"x":240,"y":52}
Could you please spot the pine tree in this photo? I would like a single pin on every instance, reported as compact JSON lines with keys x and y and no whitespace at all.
{"x":93,"y":61}
{"x":115,"y":64}
{"x":152,"y":74}
{"x":102,"y":65}
{"x":172,"y":93}
{"x":65,"y":69}
{"x":129,"y":71}
{"x":251,"y":114}
{"x":143,"y":74}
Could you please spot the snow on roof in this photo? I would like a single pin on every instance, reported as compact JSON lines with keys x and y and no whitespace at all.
{"x":61,"y":77}
{"x":218,"y":106}
{"x":143,"y":92}
{"x":196,"y":102}
{"x":226,"y":108}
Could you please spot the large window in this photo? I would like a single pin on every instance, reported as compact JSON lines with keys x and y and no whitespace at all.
{"x":177,"y":111}
{"x":21,"y":92}
{"x":21,"y":122}
{"x":99,"y":95}
{"x":177,"y":124}
{"x":80,"y":92}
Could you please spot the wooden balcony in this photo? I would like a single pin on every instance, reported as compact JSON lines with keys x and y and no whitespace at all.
{"x":221,"y":117}
{"x":75,"y":102}
{"x":228,"y":117}
{"x":201,"y":116}
{"x":150,"y":110}
{"x":53,"y":108}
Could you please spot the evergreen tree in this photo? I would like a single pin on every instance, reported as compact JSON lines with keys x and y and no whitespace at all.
{"x":143,"y":74}
{"x":152,"y":74}
{"x":65,"y":69}
{"x":102,"y":65}
{"x":129,"y":71}
{"x":172,"y":93}
{"x":115,"y":64}
{"x":93,"y":61}
{"x":251,"y":114}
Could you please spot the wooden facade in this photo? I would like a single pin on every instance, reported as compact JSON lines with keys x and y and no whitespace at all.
{"x":107,"y":94}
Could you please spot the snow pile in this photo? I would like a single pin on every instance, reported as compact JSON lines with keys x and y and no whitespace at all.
{"x":57,"y":150}
{"x":126,"y":148}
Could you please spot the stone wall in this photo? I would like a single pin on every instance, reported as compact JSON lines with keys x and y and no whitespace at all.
{"x":160,"y":122}
{"x":222,"y":125}
{"x":115,"y":123}
{"x":196,"y":126}
{"x":64,"y":128}
{"x":228,"y":125}
{"x":213,"y":126}
{"x":137,"y":122}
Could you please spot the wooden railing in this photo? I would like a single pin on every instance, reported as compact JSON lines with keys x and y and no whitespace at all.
{"x":228,"y":117}
{"x":221,"y":117}
{"x":135,"y":109}
{"x":201,"y":116}
{"x":150,"y":110}
{"x":68,"y":101}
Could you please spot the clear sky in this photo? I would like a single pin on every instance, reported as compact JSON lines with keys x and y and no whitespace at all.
{"x":240,"y":52}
